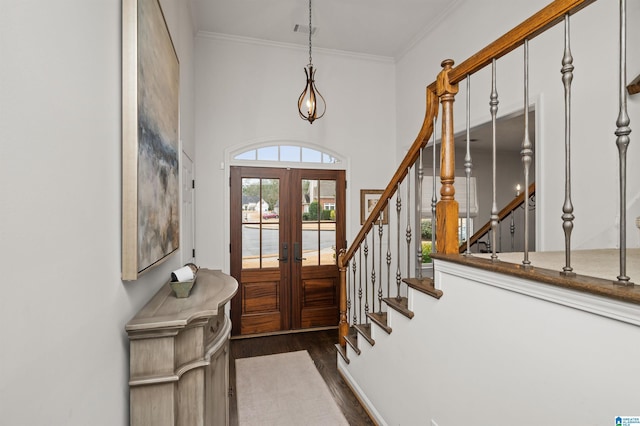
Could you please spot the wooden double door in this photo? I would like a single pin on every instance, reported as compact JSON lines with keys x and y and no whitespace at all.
{"x":287,"y":227}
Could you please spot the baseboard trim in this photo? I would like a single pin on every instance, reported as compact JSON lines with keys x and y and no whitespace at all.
{"x":357,"y":391}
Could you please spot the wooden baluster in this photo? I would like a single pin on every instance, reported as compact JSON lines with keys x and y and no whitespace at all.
{"x":447,"y":207}
{"x":343,"y":324}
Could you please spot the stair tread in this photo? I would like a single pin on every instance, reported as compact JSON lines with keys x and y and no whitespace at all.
{"x":352,"y":340}
{"x":399,"y":304}
{"x":424,"y":285}
{"x":364,"y":330}
{"x":343,"y":352}
{"x":380,"y":318}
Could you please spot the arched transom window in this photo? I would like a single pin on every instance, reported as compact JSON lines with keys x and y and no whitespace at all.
{"x":287,"y":154}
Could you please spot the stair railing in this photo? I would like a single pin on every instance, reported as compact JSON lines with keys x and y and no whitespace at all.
{"x":443,"y":91}
{"x":345,"y":257}
{"x":505,"y":212}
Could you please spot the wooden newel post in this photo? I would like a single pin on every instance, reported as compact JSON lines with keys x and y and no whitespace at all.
{"x":343,"y":324}
{"x":447,"y":207}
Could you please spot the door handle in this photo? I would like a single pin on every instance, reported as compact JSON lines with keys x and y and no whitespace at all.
{"x":297,"y":253}
{"x":285,"y":253}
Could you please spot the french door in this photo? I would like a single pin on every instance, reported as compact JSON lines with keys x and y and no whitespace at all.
{"x":287,"y":226}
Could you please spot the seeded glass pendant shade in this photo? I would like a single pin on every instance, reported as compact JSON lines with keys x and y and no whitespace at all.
{"x":311,"y":104}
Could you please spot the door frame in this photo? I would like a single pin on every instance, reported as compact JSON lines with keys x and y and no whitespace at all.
{"x":187,"y":221}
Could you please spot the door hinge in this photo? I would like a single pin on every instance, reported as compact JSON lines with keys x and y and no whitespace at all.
{"x":193,"y":183}
{"x":229,"y":247}
{"x":345,"y":185}
{"x":193,"y":253}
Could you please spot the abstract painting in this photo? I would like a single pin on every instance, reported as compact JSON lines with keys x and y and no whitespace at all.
{"x":150,"y":140}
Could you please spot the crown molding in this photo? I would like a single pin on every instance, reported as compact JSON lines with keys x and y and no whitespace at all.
{"x":292,"y":46}
{"x":428,"y":28}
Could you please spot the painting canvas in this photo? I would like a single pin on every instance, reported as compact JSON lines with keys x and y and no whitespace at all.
{"x":151,"y":210}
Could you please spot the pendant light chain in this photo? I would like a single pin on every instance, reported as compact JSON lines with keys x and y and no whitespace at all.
{"x":311,"y":103}
{"x":310,"y":61}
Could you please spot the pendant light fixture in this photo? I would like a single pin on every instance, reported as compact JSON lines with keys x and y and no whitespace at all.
{"x":311,"y":104}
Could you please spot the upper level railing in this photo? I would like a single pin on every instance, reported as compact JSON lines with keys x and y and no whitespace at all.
{"x":506,"y":211}
{"x":446,"y":211}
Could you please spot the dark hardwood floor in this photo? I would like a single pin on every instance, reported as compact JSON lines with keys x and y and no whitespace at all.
{"x":320,"y":345}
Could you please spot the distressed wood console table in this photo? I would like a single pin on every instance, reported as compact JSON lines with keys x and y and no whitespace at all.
{"x":179,"y":358}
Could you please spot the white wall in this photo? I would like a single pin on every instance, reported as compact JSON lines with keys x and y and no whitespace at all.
{"x":516,"y":358}
{"x":595,"y":107}
{"x":65,"y":355}
{"x":248,"y":92}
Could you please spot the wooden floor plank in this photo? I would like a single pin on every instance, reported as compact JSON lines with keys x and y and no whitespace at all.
{"x":321,"y":347}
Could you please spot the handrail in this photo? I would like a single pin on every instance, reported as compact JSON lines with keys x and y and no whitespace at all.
{"x":536,"y":24}
{"x":513,"y":204}
{"x":634,"y":86}
{"x":410,"y":158}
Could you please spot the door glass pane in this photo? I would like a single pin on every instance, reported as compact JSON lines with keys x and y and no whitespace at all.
{"x":270,"y":245}
{"x":327,"y":202}
{"x":311,"y":156}
{"x":309,"y":200}
{"x":328,"y":244}
{"x":290,"y":153}
{"x":268,"y":153}
{"x":250,"y":230}
{"x":319,"y":221}
{"x":260,"y":222}
{"x":248,"y":155}
{"x":310,"y":235}
{"x":310,"y":224}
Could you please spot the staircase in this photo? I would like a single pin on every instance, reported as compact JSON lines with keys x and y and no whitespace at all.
{"x":510,"y":343}
{"x":363,"y":339}
{"x":381,"y":320}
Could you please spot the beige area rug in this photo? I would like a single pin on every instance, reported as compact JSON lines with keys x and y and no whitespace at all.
{"x":284,"y":389}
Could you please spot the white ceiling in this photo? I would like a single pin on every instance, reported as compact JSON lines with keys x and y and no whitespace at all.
{"x":375,"y":27}
{"x":385,"y":28}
